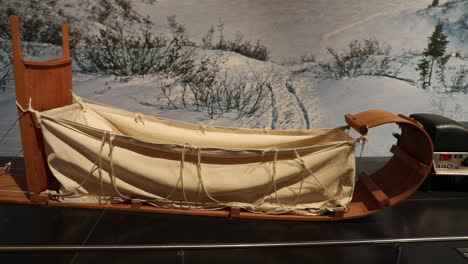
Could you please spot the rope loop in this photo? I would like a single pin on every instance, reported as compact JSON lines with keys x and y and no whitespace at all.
{"x":362,"y":140}
{"x":202,"y":128}
{"x":91,"y":171}
{"x":273,"y":178}
{"x":112,"y":175}
{"x":7,"y":168}
{"x":138,"y":117}
{"x":31,"y":110}
{"x":79,"y":100}
{"x":330,"y":195}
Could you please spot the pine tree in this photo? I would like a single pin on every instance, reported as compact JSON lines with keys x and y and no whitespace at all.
{"x":435,"y":3}
{"x":423,"y":68}
{"x":434,"y":53}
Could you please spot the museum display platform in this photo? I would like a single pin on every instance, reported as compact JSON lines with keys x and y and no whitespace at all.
{"x":440,"y":213}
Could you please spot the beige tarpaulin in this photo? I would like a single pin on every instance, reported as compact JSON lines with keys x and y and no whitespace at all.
{"x":99,"y":153}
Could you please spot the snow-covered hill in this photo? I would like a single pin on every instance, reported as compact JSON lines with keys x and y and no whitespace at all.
{"x":406,"y":30}
{"x":87,"y":16}
{"x":300,"y":98}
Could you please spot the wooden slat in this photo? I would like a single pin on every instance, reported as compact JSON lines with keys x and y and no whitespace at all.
{"x":48,"y":63}
{"x":409,"y":160}
{"x":65,"y":41}
{"x":379,"y":196}
{"x":10,"y":190}
{"x":136,"y":204}
{"x":40,"y":199}
{"x":338,"y":212}
{"x":234,"y":211}
{"x":356,"y":124}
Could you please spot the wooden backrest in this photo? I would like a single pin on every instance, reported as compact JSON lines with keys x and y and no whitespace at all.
{"x":47,"y":84}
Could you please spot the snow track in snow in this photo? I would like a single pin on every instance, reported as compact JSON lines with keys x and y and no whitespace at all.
{"x":301,"y":105}
{"x":274,"y":109}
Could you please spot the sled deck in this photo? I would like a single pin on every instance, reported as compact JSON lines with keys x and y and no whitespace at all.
{"x":89,"y":155}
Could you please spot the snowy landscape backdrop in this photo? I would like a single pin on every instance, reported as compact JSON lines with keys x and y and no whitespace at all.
{"x":249,"y":63}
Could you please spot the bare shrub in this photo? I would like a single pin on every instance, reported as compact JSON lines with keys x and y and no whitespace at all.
{"x":39,"y":27}
{"x":143,"y":53}
{"x":175,"y":26}
{"x":126,"y":6}
{"x":208,"y":89}
{"x":459,"y":81}
{"x":179,"y":30}
{"x":5,"y":71}
{"x":239,"y":45}
{"x":106,"y":10}
{"x":4,"y":26}
{"x":307,"y":57}
{"x":368,"y":58}
{"x":300,"y":64}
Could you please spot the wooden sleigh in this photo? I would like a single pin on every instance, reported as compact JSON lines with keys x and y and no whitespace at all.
{"x":47,"y":85}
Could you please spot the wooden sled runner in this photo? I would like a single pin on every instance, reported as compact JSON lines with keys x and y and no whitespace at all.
{"x":42,"y":86}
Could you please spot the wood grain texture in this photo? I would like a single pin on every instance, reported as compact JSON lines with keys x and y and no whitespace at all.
{"x":46,"y":85}
{"x":379,"y":196}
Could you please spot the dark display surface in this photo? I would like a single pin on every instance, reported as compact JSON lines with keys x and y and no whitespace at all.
{"x":425,"y":214}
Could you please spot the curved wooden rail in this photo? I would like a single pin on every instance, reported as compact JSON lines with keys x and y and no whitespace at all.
{"x":393,"y":183}
{"x":402,"y":175}
{"x":48,"y":84}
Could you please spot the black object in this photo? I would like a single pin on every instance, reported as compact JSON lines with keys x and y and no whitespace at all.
{"x":447,"y":135}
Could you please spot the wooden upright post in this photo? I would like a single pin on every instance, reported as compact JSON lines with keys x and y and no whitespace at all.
{"x":47,"y":85}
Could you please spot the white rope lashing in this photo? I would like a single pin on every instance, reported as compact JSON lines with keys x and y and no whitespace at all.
{"x":112,"y":172}
{"x":363,"y":139}
{"x":180,"y":179}
{"x":8,"y":165}
{"x":273,"y":178}
{"x":202,"y":128}
{"x":181,"y":174}
{"x":138,"y":117}
{"x":200,"y":179}
{"x":330,"y":195}
{"x":298,"y":194}
{"x":202,"y":187}
{"x":180,"y":182}
{"x":79,"y":100}
{"x":91,"y":171}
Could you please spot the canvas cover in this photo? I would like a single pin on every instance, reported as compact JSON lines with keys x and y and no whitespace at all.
{"x":99,"y":153}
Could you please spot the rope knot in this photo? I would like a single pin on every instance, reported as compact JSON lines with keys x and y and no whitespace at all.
{"x":139,"y":118}
{"x":7,"y":167}
{"x":363,"y":139}
{"x":79,"y":101}
{"x":202,"y":128}
{"x":31,"y":110}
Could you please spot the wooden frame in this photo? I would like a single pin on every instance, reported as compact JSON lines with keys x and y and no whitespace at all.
{"x":392,"y":184}
{"x":46,"y":85}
